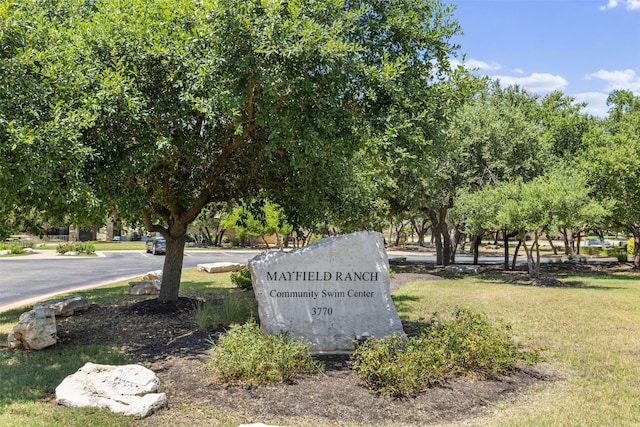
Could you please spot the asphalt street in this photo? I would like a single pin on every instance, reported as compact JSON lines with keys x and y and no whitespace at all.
{"x":40,"y":275}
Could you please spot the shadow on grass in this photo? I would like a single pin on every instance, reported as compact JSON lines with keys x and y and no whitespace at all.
{"x":570,"y":280}
{"x":34,"y":375}
{"x":402,"y":302}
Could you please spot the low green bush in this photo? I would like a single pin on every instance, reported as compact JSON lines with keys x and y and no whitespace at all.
{"x":397,"y":368}
{"x":79,"y":247}
{"x":591,"y":250}
{"x":63,"y":248}
{"x":621,"y":255}
{"x":246,"y":356}
{"x":474,"y":346}
{"x":86,"y":247}
{"x":242,"y":278}
{"x":467,"y":345}
{"x":15,"y":249}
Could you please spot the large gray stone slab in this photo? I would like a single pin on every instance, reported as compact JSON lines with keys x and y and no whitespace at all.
{"x":330,"y":293}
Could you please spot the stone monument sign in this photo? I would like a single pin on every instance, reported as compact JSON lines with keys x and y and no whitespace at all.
{"x":330,"y":293}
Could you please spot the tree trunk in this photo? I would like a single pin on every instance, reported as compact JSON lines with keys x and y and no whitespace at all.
{"x":476,"y":248}
{"x":515,"y":255}
{"x":529,"y":253}
{"x":446,"y":237}
{"x":507,"y":236}
{"x":506,"y":248}
{"x":436,"y":236}
{"x":456,"y":237}
{"x":565,"y":237}
{"x":206,"y":236}
{"x":578,"y":241}
{"x":219,"y":235}
{"x":536,"y":263}
{"x":553,"y":247}
{"x":636,"y":248}
{"x":421,"y":229}
{"x":264,"y":239}
{"x":172,"y":270}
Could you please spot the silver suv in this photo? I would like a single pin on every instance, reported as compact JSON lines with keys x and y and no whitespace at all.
{"x":156,"y":245}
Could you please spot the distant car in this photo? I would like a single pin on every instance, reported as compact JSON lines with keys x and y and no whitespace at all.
{"x":596,"y":242}
{"x":156,"y":245}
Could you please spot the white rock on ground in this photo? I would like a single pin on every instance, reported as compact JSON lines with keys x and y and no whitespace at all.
{"x":65,"y":306}
{"x":462,"y":269}
{"x":220,"y":267}
{"x":145,"y":287}
{"x":153,"y":275}
{"x":35,"y":330}
{"x":127,"y":389}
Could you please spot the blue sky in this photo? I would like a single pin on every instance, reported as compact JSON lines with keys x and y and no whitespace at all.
{"x":584,"y":48}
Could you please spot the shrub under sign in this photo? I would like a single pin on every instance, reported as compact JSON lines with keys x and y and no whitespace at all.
{"x":329,"y":293}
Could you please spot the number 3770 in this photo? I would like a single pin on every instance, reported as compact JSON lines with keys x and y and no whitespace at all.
{"x":321,"y":311}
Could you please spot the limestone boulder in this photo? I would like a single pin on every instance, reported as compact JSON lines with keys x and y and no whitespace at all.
{"x":35,"y":330}
{"x":220,"y":267}
{"x":145,"y":287}
{"x":66,"y":306}
{"x":153,"y":275}
{"x":127,"y":389}
{"x":462,"y":269}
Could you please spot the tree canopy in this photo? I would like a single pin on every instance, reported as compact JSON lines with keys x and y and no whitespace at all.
{"x":156,"y":108}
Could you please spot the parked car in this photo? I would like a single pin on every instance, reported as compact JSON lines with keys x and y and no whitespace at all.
{"x":156,"y":245}
{"x":596,"y":242}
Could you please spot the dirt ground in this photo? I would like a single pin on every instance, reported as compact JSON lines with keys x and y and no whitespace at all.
{"x":165,"y":339}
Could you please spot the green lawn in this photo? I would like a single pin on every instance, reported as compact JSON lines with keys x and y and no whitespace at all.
{"x":591,"y":330}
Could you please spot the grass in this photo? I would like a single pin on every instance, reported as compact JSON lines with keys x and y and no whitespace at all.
{"x":591,"y":330}
{"x":28,"y":378}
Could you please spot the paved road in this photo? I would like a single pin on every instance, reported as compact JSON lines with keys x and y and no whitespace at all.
{"x":38,"y":276}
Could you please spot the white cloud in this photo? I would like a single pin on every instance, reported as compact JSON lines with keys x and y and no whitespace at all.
{"x":481,"y":65}
{"x":618,"y":79}
{"x":596,"y":103}
{"x":536,"y":82}
{"x":628,"y":4}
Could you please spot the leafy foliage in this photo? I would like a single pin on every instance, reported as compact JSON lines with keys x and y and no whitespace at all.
{"x":258,"y":220}
{"x":613,"y":147}
{"x":153,"y":108}
{"x":79,"y":247}
{"x":244,"y":355}
{"x":15,"y":249}
{"x":242,"y":278}
{"x":467,"y":345}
